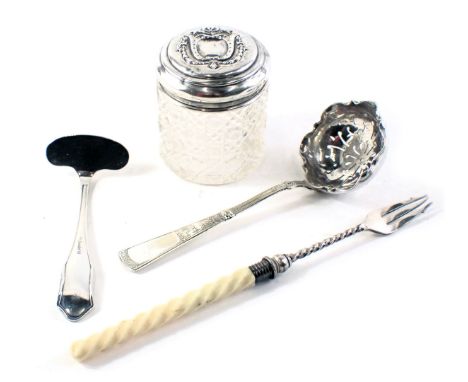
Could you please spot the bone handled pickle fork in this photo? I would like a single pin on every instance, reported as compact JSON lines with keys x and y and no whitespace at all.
{"x":384,"y":221}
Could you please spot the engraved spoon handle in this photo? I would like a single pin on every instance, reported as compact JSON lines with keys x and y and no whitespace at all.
{"x":75,"y":297}
{"x":141,"y":255}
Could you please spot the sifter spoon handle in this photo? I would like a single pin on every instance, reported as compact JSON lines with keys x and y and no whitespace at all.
{"x":143,"y":254}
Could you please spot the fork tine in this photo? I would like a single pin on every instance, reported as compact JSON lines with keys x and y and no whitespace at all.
{"x":399,"y":205}
{"x":402,"y":219}
{"x":398,"y":213}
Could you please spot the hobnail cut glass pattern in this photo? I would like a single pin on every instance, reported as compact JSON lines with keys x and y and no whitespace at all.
{"x":212,"y":147}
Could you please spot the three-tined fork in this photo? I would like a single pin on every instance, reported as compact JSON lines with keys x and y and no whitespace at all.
{"x":384,"y":221}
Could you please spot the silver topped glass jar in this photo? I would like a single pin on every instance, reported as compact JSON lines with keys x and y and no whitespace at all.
{"x":212,"y":93}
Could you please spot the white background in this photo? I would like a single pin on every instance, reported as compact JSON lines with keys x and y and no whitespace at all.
{"x":367,"y":309}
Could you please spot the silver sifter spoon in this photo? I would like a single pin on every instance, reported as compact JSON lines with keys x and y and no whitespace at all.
{"x":339,"y":153}
{"x":86,"y":154}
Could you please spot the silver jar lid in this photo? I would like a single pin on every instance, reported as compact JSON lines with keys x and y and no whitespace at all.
{"x":213,"y":68}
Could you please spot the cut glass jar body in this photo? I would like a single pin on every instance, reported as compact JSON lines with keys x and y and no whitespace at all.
{"x":212,"y":147}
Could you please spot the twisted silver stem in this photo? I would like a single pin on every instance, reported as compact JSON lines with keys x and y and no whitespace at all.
{"x":325,"y":243}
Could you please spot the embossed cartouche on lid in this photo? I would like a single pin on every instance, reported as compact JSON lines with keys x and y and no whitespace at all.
{"x":213,"y":68}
